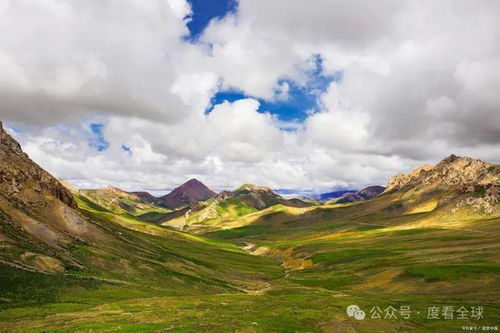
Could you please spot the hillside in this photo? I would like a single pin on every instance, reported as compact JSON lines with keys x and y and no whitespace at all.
{"x":454,"y":182}
{"x":122,"y":202}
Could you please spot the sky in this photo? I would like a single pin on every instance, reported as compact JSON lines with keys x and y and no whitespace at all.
{"x":295,"y":95}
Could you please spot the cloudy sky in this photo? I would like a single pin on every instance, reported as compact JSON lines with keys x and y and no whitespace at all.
{"x":292,"y":94}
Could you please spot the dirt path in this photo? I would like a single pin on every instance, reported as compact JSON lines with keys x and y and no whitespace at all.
{"x":252,"y":248}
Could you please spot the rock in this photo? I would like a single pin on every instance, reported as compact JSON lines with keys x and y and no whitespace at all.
{"x":471,"y":182}
{"x":464,"y":172}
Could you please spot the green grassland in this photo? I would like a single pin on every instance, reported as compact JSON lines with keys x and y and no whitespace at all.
{"x":299,"y":271}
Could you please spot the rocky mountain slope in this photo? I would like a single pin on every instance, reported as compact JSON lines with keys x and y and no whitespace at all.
{"x":22,"y":180}
{"x":451,"y":171}
{"x":37,"y":212}
{"x":188,"y":193}
{"x":261,"y":197}
{"x":458,"y":181}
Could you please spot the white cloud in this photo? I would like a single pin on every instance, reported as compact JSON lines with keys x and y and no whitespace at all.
{"x":60,"y":60}
{"x":420,"y":80}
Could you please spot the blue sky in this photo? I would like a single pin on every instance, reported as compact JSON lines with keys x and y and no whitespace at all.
{"x":302,"y":99}
{"x":206,"y":10}
{"x":97,"y":140}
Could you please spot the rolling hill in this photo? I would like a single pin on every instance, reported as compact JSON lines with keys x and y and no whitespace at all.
{"x":122,"y":202}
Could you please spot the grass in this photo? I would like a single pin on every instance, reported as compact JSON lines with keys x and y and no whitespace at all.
{"x":364,"y":253}
{"x":19,"y":286}
{"x":452,"y":272}
{"x":349,"y":256}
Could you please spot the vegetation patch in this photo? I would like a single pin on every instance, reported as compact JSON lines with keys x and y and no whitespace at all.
{"x":451,"y":272}
{"x":349,"y":256}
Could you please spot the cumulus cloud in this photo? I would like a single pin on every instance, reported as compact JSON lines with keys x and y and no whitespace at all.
{"x":419,"y":80}
{"x":63,"y":59}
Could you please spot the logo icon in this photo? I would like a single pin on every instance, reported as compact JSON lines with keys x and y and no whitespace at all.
{"x":355,"y":311}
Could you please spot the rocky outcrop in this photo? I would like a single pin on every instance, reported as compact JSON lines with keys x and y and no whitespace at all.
{"x":465,"y":182}
{"x":367,"y":193}
{"x":452,"y":171}
{"x":485,"y":204}
{"x":20,"y":175}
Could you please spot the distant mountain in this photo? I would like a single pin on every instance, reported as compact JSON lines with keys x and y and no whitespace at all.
{"x":261,"y":197}
{"x":145,"y":196}
{"x":245,"y":200}
{"x":188,"y":193}
{"x":367,"y":193}
{"x":331,"y":195}
{"x":120,"y":201}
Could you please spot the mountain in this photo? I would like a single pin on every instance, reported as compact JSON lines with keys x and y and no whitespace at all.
{"x":455,"y":181}
{"x":331,"y":195}
{"x":244,"y":200}
{"x":260,"y":197}
{"x":38,"y":217}
{"x":24,"y":182}
{"x":367,"y":193}
{"x":122,"y":202}
{"x":145,"y":196}
{"x":453,"y":171}
{"x":188,"y":193}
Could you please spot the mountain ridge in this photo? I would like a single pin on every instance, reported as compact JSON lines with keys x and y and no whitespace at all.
{"x":366,"y":193}
{"x":462,"y":182}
